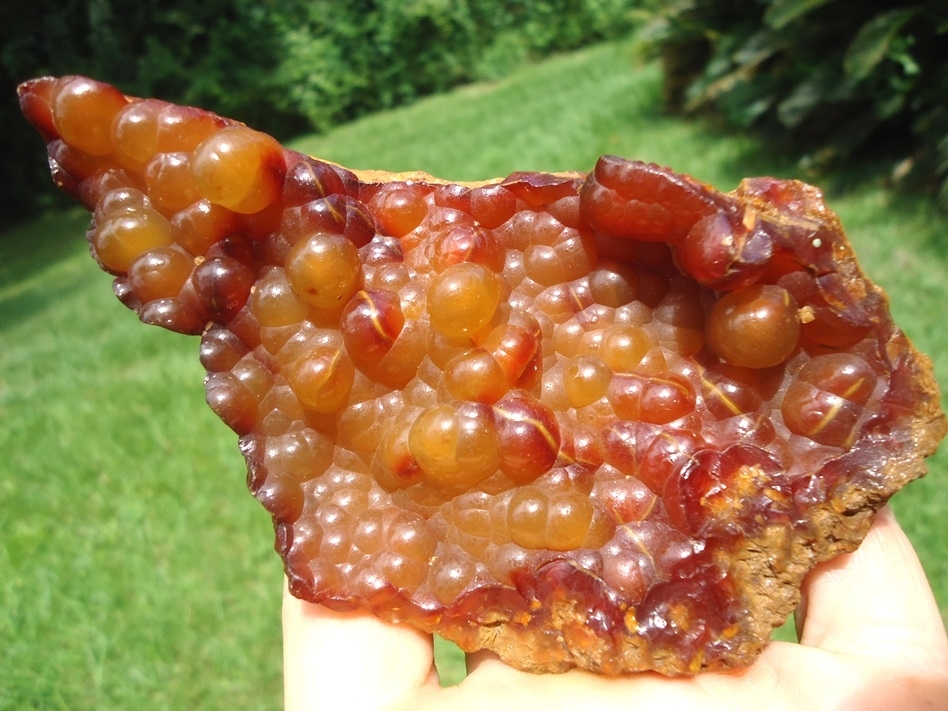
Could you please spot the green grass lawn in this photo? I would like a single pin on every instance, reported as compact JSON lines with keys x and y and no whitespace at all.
{"x":135,"y":571}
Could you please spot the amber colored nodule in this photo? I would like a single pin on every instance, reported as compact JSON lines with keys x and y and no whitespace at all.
{"x":603,"y":420}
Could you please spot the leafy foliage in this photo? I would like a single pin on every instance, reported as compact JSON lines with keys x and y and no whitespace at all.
{"x":284,"y":67}
{"x":831,"y":80}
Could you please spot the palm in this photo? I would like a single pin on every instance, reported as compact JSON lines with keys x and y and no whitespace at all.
{"x":872,"y":639}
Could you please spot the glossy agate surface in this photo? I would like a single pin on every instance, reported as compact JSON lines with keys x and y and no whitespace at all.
{"x":605,"y":420}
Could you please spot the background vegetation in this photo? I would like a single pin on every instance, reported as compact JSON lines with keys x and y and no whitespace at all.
{"x":135,"y":570}
{"x":826,"y":81}
{"x":284,"y":66}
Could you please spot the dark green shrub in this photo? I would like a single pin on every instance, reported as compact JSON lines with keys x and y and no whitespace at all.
{"x":341,"y":60}
{"x":830,"y":80}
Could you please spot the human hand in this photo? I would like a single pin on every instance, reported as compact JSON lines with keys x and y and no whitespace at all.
{"x":871,"y":639}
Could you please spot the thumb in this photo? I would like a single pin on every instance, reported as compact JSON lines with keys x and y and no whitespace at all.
{"x":875,"y":600}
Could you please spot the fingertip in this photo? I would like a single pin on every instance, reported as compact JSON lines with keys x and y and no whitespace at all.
{"x":350,"y":659}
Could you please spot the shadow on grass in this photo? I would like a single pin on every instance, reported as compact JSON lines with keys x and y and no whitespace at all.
{"x":31,"y":255}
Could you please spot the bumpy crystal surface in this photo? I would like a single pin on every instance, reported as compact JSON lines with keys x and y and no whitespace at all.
{"x":605,"y":420}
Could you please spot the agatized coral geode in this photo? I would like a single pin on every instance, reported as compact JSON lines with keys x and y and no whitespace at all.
{"x":605,"y":421}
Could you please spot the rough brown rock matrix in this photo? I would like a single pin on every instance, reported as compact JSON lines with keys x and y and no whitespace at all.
{"x":605,"y":421}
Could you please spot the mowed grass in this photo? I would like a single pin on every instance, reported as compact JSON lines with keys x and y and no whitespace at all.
{"x":135,"y":570}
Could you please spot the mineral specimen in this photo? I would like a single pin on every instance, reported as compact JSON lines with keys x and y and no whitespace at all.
{"x":605,"y":421}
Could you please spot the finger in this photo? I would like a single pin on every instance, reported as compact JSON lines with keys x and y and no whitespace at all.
{"x":876,"y":600}
{"x":350,"y":660}
{"x":499,"y":687}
